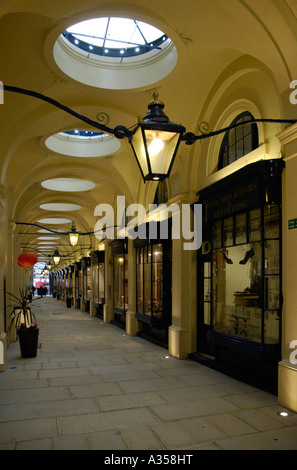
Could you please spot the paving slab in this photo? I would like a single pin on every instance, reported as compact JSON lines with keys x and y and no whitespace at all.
{"x":93,"y":387}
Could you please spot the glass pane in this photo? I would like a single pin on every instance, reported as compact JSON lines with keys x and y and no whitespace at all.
{"x":255,"y":225}
{"x":95,"y":283}
{"x":207,"y":284}
{"x":157,"y":253}
{"x":147,"y":289}
{"x":237,"y":291}
{"x":137,"y":144}
{"x":239,"y":149}
{"x":160,"y":146}
{"x":248,"y":144}
{"x":216,"y":235}
{"x":101,"y":279}
{"x":206,"y":319}
{"x":157,"y":289}
{"x":232,"y":154}
{"x":228,"y":232}
{"x":88,"y":284}
{"x":126,"y":282}
{"x":271,"y":327}
{"x":240,"y":229}
{"x":207,"y":269}
{"x":271,"y":221}
{"x":232,"y":137}
{"x":239,"y":132}
{"x":272,"y":292}
{"x":119,"y":294}
{"x":139,"y":287}
{"x":271,"y":256}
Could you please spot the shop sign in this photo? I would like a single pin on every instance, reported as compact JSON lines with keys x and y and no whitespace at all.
{"x":229,"y":203}
{"x":292,"y":224}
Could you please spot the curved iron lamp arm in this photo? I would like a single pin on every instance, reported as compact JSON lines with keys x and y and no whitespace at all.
{"x":121,"y":131}
{"x":189,"y":138}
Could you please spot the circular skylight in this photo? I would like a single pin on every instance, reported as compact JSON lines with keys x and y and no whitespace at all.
{"x":48,"y":238}
{"x":115,"y":37}
{"x":115,"y":53}
{"x":68,"y":184}
{"x":54,"y":220}
{"x":83,"y":143}
{"x":43,"y":230}
{"x":47,"y":243}
{"x":61,"y":207}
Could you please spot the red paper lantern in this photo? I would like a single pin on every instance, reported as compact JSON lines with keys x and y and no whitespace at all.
{"x":25,"y":260}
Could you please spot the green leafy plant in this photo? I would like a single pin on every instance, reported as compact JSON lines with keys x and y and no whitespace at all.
{"x":21,"y":313}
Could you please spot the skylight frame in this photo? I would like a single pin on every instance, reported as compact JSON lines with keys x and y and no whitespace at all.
{"x":127,"y":47}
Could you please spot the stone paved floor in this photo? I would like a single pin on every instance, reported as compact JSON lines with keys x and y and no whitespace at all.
{"x":92,"y":387}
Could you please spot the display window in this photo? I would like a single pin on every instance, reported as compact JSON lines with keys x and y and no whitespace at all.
{"x":245,"y":281}
{"x":98,"y":281}
{"x":77,"y":283}
{"x":150,"y":280}
{"x":239,"y":274}
{"x":120,"y":280}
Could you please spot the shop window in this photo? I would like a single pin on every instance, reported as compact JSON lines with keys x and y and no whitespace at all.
{"x":238,"y":141}
{"x":246,"y":276}
{"x":87,"y":284}
{"x":120,"y":279}
{"x":149,"y":270}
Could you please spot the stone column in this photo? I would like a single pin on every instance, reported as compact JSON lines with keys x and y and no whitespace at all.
{"x":132,"y":324}
{"x":182,"y":332}
{"x":287,"y":378}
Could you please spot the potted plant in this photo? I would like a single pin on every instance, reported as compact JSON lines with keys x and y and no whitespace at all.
{"x":68,"y":297}
{"x":23,"y":320}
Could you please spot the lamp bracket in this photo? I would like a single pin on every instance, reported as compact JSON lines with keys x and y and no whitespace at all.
{"x":121,"y":131}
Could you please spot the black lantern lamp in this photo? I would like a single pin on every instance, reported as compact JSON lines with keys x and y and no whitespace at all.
{"x":73,"y":235}
{"x":56,"y":257}
{"x":155,"y":141}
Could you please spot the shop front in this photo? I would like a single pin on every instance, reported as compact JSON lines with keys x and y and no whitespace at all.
{"x":77,"y":284}
{"x":86,"y":283}
{"x":153,"y":289}
{"x":120,"y":281}
{"x":98,"y":282}
{"x":239,"y":275}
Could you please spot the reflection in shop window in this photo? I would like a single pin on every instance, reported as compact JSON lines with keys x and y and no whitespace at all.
{"x":237,"y":291}
{"x":246,"y":275}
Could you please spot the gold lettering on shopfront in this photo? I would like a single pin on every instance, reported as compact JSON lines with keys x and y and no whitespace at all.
{"x":231,"y":202}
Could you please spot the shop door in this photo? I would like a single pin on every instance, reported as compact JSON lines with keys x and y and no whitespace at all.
{"x":204,"y":307}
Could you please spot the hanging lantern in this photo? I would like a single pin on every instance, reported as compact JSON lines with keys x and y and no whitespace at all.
{"x":155,"y":141}
{"x":25,"y":260}
{"x":73,"y":235}
{"x":56,"y":257}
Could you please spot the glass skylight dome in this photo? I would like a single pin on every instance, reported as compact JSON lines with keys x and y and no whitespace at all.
{"x":83,"y":143}
{"x":115,"y":53}
{"x":115,"y":37}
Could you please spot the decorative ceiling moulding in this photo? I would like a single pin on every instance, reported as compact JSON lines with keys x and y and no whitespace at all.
{"x":137,"y":72}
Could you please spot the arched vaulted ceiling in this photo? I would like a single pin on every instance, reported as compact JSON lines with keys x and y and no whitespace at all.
{"x":214,"y":41}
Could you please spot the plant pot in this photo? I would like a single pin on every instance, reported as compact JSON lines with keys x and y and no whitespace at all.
{"x":28,"y":338}
{"x":68,"y":302}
